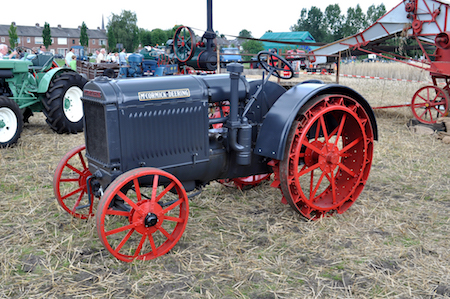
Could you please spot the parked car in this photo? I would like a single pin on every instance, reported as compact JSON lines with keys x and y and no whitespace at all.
{"x":229,"y":55}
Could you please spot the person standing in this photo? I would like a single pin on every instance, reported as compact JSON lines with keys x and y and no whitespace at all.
{"x":101,"y":56}
{"x":73,"y":63}
{"x":69,"y":57}
{"x":123,"y":57}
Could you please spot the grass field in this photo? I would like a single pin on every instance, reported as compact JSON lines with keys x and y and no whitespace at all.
{"x":392,"y":243}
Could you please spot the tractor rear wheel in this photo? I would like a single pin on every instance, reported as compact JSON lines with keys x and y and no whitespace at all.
{"x":142,"y":214}
{"x":11,"y":122}
{"x":63,"y":107}
{"x":327,"y":158}
{"x":70,"y":184}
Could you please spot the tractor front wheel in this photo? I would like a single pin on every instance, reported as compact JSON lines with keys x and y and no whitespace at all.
{"x":11,"y":122}
{"x":142,"y":214}
{"x":63,"y":107}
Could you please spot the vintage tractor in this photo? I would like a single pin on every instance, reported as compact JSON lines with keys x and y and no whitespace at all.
{"x":36,"y":84}
{"x":149,"y":141}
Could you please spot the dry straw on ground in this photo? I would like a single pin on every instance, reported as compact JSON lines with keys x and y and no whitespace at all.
{"x":392,"y":243}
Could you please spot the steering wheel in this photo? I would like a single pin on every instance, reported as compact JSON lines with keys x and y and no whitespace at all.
{"x":272,"y":69}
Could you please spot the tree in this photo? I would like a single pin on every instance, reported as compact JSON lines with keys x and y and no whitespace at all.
{"x":123,"y":29}
{"x":46,"y":35}
{"x":158,"y":36}
{"x":375,"y":12}
{"x":354,"y":22}
{"x":252,"y":46}
{"x":84,"y":38}
{"x":145,"y":37}
{"x":311,"y":21}
{"x":13,"y":37}
{"x":333,"y":23}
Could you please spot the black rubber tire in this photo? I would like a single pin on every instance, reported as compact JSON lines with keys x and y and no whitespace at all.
{"x":54,"y":109}
{"x":109,"y":73}
{"x":9,"y":109}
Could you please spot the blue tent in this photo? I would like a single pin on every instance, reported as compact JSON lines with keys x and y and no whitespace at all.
{"x":295,"y":36}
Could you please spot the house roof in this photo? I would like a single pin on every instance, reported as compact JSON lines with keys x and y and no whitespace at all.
{"x":54,"y":31}
{"x":295,"y":36}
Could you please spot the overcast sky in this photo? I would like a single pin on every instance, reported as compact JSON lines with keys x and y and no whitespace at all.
{"x":229,"y":16}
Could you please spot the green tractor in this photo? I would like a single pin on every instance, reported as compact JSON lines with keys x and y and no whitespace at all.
{"x":36,"y":83}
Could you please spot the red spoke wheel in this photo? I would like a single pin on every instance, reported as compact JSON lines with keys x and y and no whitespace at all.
{"x":69,"y":184}
{"x":328,"y":157}
{"x":429,"y":103}
{"x":142,"y":214}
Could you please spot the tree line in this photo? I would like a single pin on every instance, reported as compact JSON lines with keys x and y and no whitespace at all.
{"x":332,"y":25}
{"x":326,"y":27}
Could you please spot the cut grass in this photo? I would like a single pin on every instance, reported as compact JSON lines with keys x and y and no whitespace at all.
{"x":393,"y":242}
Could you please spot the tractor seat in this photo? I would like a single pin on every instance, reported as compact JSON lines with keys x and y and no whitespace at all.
{"x":41,"y":61}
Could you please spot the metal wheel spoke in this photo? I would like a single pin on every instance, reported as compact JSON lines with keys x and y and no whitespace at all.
{"x":69,"y":180}
{"x":129,"y":201}
{"x":121,"y":229}
{"x":165,"y":233}
{"x":72,"y":193}
{"x":341,"y":127}
{"x":77,"y":203}
{"x":139,"y":248}
{"x":324,"y":128}
{"x":311,"y":147}
{"x":175,"y":219}
{"x":425,"y":100}
{"x":310,"y":168}
{"x":74,"y":169}
{"x":313,"y":193}
{"x":346,"y":169}
{"x":424,"y":113}
{"x":349,"y":146}
{"x":154,"y":187}
{"x":137,"y":189}
{"x":152,"y":244}
{"x":419,"y":105}
{"x":82,"y":160}
{"x":333,"y":187}
{"x":164,"y":192}
{"x":124,"y":240}
{"x":111,"y":211}
{"x":172,"y":206}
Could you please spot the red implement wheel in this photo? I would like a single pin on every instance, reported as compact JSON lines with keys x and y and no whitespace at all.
{"x":142,"y":214}
{"x":328,"y":157}
{"x":184,"y":43}
{"x":69,"y":184}
{"x":429,"y":103}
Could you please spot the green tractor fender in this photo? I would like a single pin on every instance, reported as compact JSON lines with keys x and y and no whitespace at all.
{"x":47,"y":78}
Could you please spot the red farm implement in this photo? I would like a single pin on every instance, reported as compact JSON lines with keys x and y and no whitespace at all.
{"x":427,"y":23}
